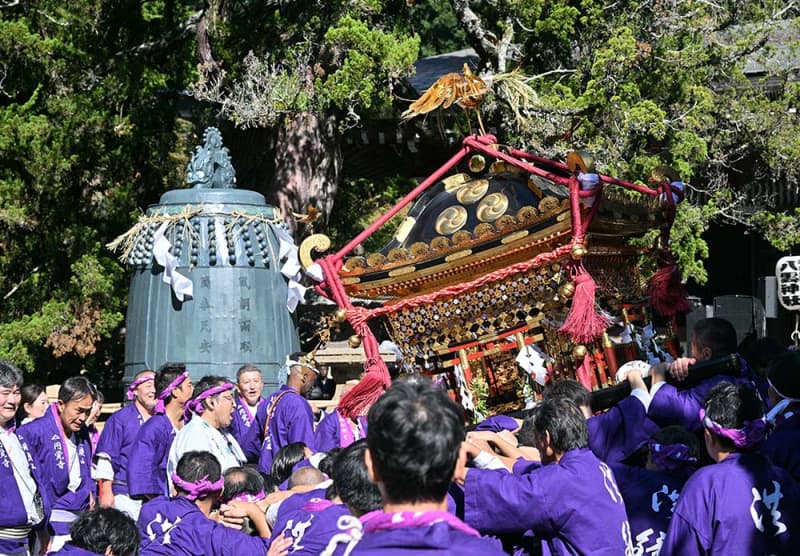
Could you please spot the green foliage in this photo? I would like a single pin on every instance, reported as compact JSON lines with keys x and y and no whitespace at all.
{"x":372,"y":200}
{"x":781,"y":229}
{"x":370,"y":53}
{"x":87,"y":128}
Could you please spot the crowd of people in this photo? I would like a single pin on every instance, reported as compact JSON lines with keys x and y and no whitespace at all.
{"x":213,"y":468}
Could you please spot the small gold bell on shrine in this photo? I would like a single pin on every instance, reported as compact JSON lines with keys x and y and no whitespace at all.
{"x":567,"y":290}
{"x":354,"y":341}
{"x":340,"y":315}
{"x":578,"y":251}
{"x":579,"y":351}
{"x":476,"y":164}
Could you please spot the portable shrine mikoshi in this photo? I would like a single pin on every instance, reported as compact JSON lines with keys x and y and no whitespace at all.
{"x":505,"y":252}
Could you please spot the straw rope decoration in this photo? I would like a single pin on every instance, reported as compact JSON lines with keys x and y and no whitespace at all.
{"x":126,"y":243}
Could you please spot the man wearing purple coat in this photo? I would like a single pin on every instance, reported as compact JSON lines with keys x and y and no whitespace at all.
{"x":782,"y":447}
{"x":711,"y":338}
{"x":327,"y":527}
{"x":742,"y":504}
{"x":248,"y":400}
{"x":110,"y":468}
{"x":147,"y":472}
{"x":617,"y":433}
{"x":286,"y":416}
{"x":414,"y":441}
{"x":571,"y":503}
{"x":102,"y":531}
{"x":181,"y":526}
{"x":651,"y":493}
{"x":23,"y":507}
{"x":336,"y":431}
{"x":60,"y":448}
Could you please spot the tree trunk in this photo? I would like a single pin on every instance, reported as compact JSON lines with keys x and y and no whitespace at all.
{"x":308,"y":164}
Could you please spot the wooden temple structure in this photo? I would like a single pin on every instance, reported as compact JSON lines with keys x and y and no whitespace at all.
{"x":503,"y":252}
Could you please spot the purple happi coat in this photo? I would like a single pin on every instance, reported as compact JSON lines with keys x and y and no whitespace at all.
{"x":782,"y":447}
{"x":242,"y":429}
{"x":147,"y":471}
{"x":72,"y":550}
{"x":292,"y":421}
{"x":294,"y":503}
{"x":670,"y":406}
{"x":445,"y":535}
{"x":650,"y":498}
{"x":117,"y":439}
{"x":617,"y":433}
{"x":498,"y":423}
{"x":48,"y":449}
{"x":319,"y":527}
{"x":573,"y":506}
{"x":177,"y":527}
{"x":334,"y":432}
{"x":742,"y":505}
{"x":14,"y":513}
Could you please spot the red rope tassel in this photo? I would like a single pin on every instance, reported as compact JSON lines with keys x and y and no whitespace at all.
{"x":360,"y":398}
{"x":584,"y":372}
{"x":667,"y":294}
{"x":583,"y":323}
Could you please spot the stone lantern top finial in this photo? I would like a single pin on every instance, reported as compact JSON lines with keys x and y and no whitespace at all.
{"x":211,"y":166}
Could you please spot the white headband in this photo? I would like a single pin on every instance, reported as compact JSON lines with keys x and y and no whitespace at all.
{"x":781,"y":405}
{"x":291,"y":363}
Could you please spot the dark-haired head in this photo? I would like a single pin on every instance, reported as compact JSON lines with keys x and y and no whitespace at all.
{"x":414,"y":437}
{"x":558,"y":426}
{"x":711,"y":338}
{"x":733,"y":418}
{"x":75,"y":402}
{"x":241,"y":481}
{"x":351,"y":480}
{"x":10,"y":375}
{"x":286,"y":458}
{"x":326,"y":464}
{"x":194,"y":467}
{"x":784,"y":377}
{"x":30,"y":403}
{"x":270,"y":484}
{"x":571,"y":390}
{"x":165,"y":374}
{"x":105,"y":529}
{"x":76,"y":388}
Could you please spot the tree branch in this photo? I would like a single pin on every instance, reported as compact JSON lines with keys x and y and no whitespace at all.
{"x":182,"y":31}
{"x":484,"y":42}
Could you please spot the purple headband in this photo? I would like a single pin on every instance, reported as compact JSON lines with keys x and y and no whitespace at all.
{"x":750,"y":435}
{"x":199,"y":488}
{"x":670,"y":457}
{"x":247,"y":497}
{"x":135,"y":384}
{"x":168,"y":391}
{"x":196,"y":404}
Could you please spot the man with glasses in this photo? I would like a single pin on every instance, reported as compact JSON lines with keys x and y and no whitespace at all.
{"x":286,"y":416}
{"x":211,"y":415}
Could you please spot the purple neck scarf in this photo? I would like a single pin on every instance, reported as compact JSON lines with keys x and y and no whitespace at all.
{"x":346,"y":436}
{"x":135,"y":384}
{"x":247,"y":497}
{"x":196,"y":404}
{"x":199,"y":488}
{"x":166,"y":392}
{"x":671,"y":457}
{"x":749,"y":436}
{"x":316,"y":505}
{"x":383,"y":521}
